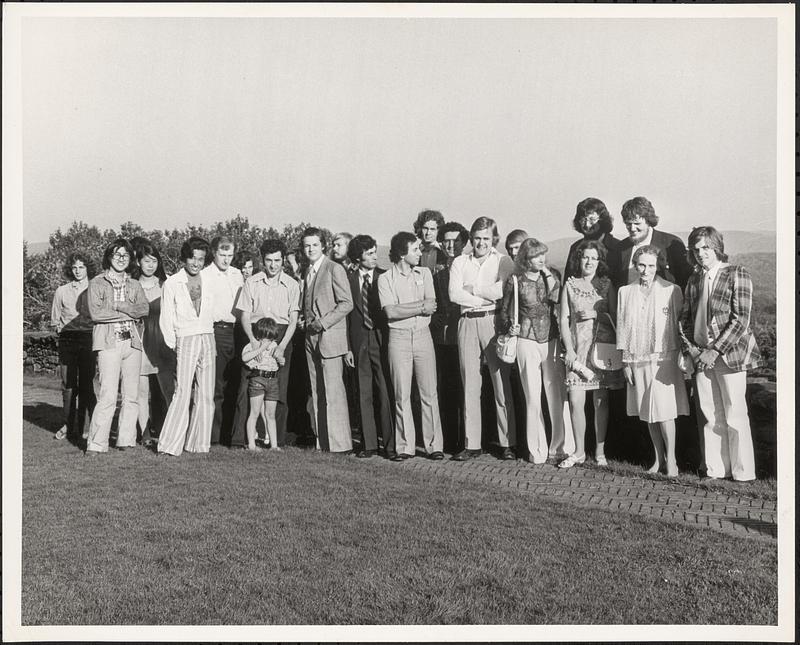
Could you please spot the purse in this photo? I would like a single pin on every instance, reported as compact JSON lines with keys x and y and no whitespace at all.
{"x":606,"y":356}
{"x":506,"y":344}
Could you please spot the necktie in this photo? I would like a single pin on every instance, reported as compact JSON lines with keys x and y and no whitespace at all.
{"x":701,"y":319}
{"x":365,"y":302}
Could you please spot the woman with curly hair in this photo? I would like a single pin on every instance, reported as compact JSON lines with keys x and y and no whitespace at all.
{"x":70,"y":317}
{"x":588,"y":310}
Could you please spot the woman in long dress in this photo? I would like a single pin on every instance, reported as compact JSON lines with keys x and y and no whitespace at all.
{"x":588,"y":310}
{"x":648,"y":335}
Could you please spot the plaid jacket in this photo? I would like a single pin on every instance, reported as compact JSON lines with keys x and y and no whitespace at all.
{"x":729,"y":306}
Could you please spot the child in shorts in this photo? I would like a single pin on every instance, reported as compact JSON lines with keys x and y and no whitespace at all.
{"x":262,"y":387}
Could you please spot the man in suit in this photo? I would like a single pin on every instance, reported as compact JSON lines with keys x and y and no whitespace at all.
{"x":715,"y":330}
{"x":426,"y":227}
{"x":453,"y":237}
{"x":326,"y":302}
{"x":368,"y":334}
{"x":594,"y":222}
{"x":640,"y":219}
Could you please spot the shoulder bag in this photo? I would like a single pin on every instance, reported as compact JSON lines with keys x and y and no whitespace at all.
{"x":506,"y":344}
{"x":606,"y":356}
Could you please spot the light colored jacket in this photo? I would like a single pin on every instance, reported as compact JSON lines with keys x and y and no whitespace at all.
{"x":329,"y":302}
{"x":178,"y":316}
{"x":104,"y":313}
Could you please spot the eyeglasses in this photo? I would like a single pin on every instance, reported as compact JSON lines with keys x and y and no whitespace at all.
{"x":121,"y":256}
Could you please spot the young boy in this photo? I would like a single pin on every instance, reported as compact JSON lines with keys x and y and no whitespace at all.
{"x":263,"y":380}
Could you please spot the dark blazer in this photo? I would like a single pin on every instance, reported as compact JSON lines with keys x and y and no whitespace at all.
{"x":673,"y":251}
{"x":444,"y":321}
{"x":355,"y":319}
{"x":613,"y":258}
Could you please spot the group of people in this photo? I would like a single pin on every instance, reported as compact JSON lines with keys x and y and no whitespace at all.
{"x":215,"y":342}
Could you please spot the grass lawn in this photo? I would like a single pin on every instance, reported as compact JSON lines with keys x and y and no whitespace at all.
{"x":307,"y":538}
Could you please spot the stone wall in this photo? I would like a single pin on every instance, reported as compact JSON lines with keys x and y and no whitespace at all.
{"x":40,"y":352}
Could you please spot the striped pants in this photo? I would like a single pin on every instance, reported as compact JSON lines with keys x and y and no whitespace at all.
{"x":196,"y":357}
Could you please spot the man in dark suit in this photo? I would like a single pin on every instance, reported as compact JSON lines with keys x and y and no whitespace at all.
{"x":594,"y":222}
{"x":640,"y":219}
{"x":367,"y":334}
{"x":326,"y":301}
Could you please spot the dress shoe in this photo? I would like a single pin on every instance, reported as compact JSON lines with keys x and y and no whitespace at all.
{"x":389,"y":454}
{"x":402,"y":457}
{"x":436,"y":456}
{"x":466,"y":455}
{"x":508,"y":454}
{"x":365,"y":454}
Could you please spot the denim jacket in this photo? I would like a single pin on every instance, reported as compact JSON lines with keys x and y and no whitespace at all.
{"x":537,"y":306}
{"x":104,"y":314}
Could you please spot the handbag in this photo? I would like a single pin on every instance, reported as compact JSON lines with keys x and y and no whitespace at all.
{"x":506,"y":344}
{"x":606,"y":356}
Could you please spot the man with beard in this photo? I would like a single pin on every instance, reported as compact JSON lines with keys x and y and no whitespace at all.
{"x":594,"y":222}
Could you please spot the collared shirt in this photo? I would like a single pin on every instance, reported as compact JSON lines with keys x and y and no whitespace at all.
{"x":67,"y":314}
{"x":486,"y":278}
{"x":633,"y":274}
{"x":274,"y":298}
{"x":397,"y":288}
{"x":433,"y":257}
{"x":225,"y":286}
{"x":178,"y":316}
{"x":362,"y":273}
{"x":118,"y":285}
{"x":313,"y":269}
{"x":701,"y":320}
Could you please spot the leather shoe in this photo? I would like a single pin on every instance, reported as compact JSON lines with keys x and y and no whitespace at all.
{"x":402,"y":457}
{"x":466,"y":455}
{"x":508,"y":454}
{"x":389,"y":454}
{"x":436,"y":456}
{"x":365,"y":454}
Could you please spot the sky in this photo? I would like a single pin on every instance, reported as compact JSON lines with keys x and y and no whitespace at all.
{"x":358,"y":124}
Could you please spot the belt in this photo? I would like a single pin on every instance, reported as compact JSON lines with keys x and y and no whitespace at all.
{"x":123,"y":335}
{"x":222,"y":325}
{"x":263,"y":373}
{"x":479,"y":314}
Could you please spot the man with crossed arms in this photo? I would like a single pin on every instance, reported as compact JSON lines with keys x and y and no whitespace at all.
{"x":476,"y":284}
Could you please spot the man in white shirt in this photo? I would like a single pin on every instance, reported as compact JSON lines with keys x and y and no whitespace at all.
{"x":224,"y":282}
{"x":476,"y":284}
{"x":187,"y":324}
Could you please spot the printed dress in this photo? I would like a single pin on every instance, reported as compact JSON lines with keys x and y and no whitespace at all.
{"x":586,"y":300}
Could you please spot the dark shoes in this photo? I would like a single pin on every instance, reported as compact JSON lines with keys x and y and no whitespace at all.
{"x":366,"y":454}
{"x":466,"y":455}
{"x":402,"y":457}
{"x":508,"y":454}
{"x":436,"y":456}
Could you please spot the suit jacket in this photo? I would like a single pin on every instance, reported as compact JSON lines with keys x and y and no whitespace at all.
{"x":356,"y":331}
{"x":673,"y":251}
{"x":729,"y":306}
{"x":444,"y":321}
{"x":613,"y":258}
{"x":330,"y":302}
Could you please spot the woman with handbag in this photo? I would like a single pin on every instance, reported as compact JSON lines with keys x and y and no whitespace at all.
{"x":537,"y":293}
{"x":648,"y":335}
{"x":588,"y":308}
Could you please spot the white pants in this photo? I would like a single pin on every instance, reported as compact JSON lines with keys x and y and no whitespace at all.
{"x":121,"y":362}
{"x":196,"y":357}
{"x":475,"y":337}
{"x":539,"y":363}
{"x":727,"y":443}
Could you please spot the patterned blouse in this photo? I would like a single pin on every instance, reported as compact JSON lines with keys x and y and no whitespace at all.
{"x":537,"y":306}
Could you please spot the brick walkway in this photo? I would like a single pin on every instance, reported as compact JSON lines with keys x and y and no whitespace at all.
{"x":589,"y":487}
{"x":595,"y":487}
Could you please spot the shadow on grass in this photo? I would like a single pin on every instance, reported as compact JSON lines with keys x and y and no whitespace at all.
{"x":44,"y":415}
{"x":769,"y":529}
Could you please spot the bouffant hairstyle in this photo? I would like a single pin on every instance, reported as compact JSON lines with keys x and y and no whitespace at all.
{"x":639,"y":207}
{"x":585,"y":245}
{"x":359,"y":245}
{"x":78,"y":256}
{"x":426,"y":216}
{"x":450,"y":227}
{"x":530,"y":248}
{"x":265,"y":328}
{"x":593,"y":205}
{"x":272,"y":245}
{"x":112,"y":248}
{"x":193,"y":244}
{"x":483,"y":223}
{"x":144,"y":248}
{"x":398,"y":247}
{"x":649,"y":249}
{"x":713,"y":239}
